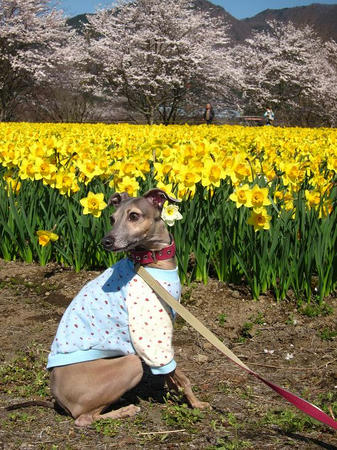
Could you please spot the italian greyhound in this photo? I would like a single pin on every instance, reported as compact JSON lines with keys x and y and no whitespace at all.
{"x":85,"y":389}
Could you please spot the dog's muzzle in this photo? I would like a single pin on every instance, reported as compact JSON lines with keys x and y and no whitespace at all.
{"x":108,"y":243}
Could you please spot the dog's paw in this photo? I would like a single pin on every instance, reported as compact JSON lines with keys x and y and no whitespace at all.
{"x":84,"y":420}
{"x":201,"y":405}
{"x":128,"y":411}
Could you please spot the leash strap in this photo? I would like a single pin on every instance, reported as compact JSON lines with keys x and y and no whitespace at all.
{"x":303,"y":405}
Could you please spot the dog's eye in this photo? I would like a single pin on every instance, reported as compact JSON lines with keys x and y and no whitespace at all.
{"x":112,"y":220}
{"x":133,"y":217}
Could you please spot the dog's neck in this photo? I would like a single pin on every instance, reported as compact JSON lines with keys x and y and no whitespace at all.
{"x":154,"y":258}
{"x":160,"y":239}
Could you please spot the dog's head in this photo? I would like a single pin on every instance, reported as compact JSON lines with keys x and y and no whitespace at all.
{"x":136,"y":221}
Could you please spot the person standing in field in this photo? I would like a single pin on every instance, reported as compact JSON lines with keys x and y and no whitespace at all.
{"x":209,"y":114}
{"x":269,"y":115}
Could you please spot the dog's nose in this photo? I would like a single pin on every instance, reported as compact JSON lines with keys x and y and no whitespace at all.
{"x":108,"y":242}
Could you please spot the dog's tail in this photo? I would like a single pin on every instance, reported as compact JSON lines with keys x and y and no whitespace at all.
{"x":43,"y":403}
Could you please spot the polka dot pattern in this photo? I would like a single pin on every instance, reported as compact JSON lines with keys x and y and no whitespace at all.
{"x":110,"y":314}
{"x":150,"y":321}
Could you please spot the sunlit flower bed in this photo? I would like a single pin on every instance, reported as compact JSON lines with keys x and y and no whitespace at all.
{"x":268,"y":181}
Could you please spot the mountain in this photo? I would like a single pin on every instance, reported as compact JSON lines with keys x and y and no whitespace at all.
{"x":78,"y":21}
{"x":238,"y":30}
{"x":322,"y":18}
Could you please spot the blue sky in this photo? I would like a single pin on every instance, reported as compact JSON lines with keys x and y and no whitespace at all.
{"x":237,"y":8}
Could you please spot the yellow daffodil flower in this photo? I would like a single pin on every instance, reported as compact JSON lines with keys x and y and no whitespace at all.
{"x":93,"y":204}
{"x":260,"y":219}
{"x":242,"y":196}
{"x":46,"y":236}
{"x":259,"y":197}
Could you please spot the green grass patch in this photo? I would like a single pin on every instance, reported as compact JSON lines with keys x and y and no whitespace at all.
{"x":289,"y":421}
{"x":316,"y":309}
{"x":178,"y":414}
{"x":107,"y":427}
{"x":327,"y":334}
{"x":222,"y":318}
{"x":26,"y":375}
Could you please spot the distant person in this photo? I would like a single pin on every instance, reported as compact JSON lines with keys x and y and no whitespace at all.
{"x":269,"y":115}
{"x":209,"y":114}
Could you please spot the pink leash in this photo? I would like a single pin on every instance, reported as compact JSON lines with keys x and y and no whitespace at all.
{"x":303,"y":405}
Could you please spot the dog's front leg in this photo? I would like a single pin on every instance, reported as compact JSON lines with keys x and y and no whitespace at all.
{"x":178,"y":381}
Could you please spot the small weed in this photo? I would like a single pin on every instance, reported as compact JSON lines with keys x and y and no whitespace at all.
{"x":246,"y":393}
{"x":222,"y":318}
{"x":26,"y":375}
{"x":259,"y":319}
{"x":328,"y":402}
{"x":108,"y":427}
{"x":21,"y":417}
{"x":246,"y":329}
{"x":225,"y":388}
{"x":315,"y":310}
{"x":289,"y":421}
{"x":36,"y":287}
{"x":186,"y":296}
{"x":18,"y":419}
{"x":180,"y":415}
{"x":233,"y":421}
{"x":228,"y":444}
{"x":327,"y":335}
{"x":291,"y":320}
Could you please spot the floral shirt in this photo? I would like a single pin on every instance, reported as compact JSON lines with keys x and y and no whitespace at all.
{"x":118,"y":314}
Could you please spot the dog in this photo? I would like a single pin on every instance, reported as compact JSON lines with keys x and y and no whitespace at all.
{"x":116,"y":321}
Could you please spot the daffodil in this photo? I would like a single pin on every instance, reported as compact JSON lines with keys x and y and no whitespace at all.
{"x":66,"y":182}
{"x":44,"y":169}
{"x":162,"y":170}
{"x":93,"y":204}
{"x":12,"y":184}
{"x":212,"y":174}
{"x":259,"y":197}
{"x":46,"y":236}
{"x":313,"y":199}
{"x":241,"y":196}
{"x":167,"y":188}
{"x":260,"y":219}
{"x":27,"y":169}
{"x":129,"y":185}
{"x":241,"y":171}
{"x":294,"y":174}
{"x":89,"y":169}
{"x":170,"y":214}
{"x":188,"y":179}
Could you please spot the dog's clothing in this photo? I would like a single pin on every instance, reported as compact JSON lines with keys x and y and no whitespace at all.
{"x":117,"y":314}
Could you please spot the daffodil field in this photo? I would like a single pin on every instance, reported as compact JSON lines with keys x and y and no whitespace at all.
{"x":258,"y":203}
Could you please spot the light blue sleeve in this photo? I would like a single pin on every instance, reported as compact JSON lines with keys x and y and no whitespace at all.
{"x":164,"y":370}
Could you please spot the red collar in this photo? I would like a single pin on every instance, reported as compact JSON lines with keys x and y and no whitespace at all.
{"x":148,"y":257}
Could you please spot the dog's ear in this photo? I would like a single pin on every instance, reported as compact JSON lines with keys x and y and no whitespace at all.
{"x":157,"y":197}
{"x":117,"y":198}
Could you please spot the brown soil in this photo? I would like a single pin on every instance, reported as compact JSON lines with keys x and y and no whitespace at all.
{"x":245,"y":414}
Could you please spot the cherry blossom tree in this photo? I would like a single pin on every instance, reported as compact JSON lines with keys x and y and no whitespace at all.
{"x":159,"y":56}
{"x":63,"y":93}
{"x":288,"y":68}
{"x":31,"y":35}
{"x":328,"y":103}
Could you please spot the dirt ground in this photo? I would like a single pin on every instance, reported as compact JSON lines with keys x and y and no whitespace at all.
{"x":293,"y":347}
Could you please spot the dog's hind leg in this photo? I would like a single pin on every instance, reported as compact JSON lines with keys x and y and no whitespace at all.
{"x":88,"y":418}
{"x":86,"y":389}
